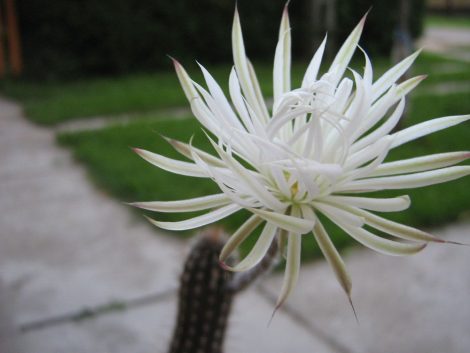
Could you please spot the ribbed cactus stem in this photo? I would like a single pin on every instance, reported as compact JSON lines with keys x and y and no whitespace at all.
{"x":204,"y":301}
{"x":206,"y":294}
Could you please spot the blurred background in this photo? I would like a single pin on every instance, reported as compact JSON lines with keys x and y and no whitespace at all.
{"x":73,"y":39}
{"x":82,"y":81}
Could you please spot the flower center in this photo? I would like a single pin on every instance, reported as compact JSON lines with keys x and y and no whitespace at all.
{"x":294,"y":189}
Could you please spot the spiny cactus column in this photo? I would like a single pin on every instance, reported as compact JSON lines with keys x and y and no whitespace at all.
{"x":206,"y":295}
{"x":204,"y":301}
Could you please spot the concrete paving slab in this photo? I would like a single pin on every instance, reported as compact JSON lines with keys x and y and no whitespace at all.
{"x":451,"y":42}
{"x":250,"y":330}
{"x":64,"y":245}
{"x":8,"y":329}
{"x":142,"y":330}
{"x":98,"y":122}
{"x":443,"y":38}
{"x":404,"y":304}
{"x":148,"y":330}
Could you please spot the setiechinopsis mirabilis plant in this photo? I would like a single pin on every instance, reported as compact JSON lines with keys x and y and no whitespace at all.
{"x":313,"y":152}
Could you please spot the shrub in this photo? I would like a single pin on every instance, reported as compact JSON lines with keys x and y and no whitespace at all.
{"x":381,"y":23}
{"x":66,"y":39}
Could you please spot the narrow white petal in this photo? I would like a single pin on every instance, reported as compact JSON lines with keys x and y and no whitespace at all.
{"x":198,"y":107}
{"x":278,"y":174}
{"x":239,"y":56}
{"x":281,"y":119}
{"x":393,"y":204}
{"x":419,"y":164}
{"x":239,"y":236}
{"x":220,"y":122}
{"x":185,"y":81}
{"x":416,"y":131}
{"x":368,"y":153}
{"x":257,"y":89}
{"x":333,"y":257}
{"x":379,"y":109}
{"x":172,"y":165}
{"x":396,"y":229}
{"x":378,"y":133}
{"x":407,"y":181}
{"x":393,"y":228}
{"x":282,"y":58}
{"x":220,"y":99}
{"x":238,"y":195}
{"x":311,"y":166}
{"x":243,"y":70}
{"x":375,"y":242}
{"x":368,"y":72}
{"x":256,"y":187}
{"x":333,"y":211}
{"x":407,"y":86}
{"x":314,"y":66}
{"x":346,"y":52}
{"x":384,"y":103}
{"x":365,"y":170}
{"x":392,"y":75}
{"x":198,"y":221}
{"x":258,"y":251}
{"x":329,"y":251}
{"x":291,"y":272}
{"x":289,"y":223}
{"x":185,"y":150}
{"x":282,"y":242}
{"x":382,"y":245}
{"x":239,"y":102}
{"x":189,"y":205}
{"x":357,"y":109}
{"x":205,"y":116}
{"x":342,"y":95}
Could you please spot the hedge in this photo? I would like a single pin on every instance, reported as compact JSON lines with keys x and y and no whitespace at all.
{"x":381,"y":23}
{"x":74,"y":38}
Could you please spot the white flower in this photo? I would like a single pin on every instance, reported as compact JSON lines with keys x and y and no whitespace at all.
{"x":321,"y":145}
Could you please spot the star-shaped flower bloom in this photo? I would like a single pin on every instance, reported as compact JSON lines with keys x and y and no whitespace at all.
{"x":314,"y":152}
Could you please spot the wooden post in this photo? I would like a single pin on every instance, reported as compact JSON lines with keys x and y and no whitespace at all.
{"x":449,"y":7}
{"x":323,"y":20}
{"x":402,"y":46}
{"x":14,"y":46}
{"x":2,"y":51}
{"x":402,"y":43}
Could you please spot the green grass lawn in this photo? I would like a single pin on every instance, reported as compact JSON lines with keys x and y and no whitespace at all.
{"x":50,"y":103}
{"x":55,"y":102}
{"x":115,"y":168}
{"x":447,"y":21}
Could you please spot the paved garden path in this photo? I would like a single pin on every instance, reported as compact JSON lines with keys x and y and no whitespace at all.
{"x":452,"y":42}
{"x":66,"y":247}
